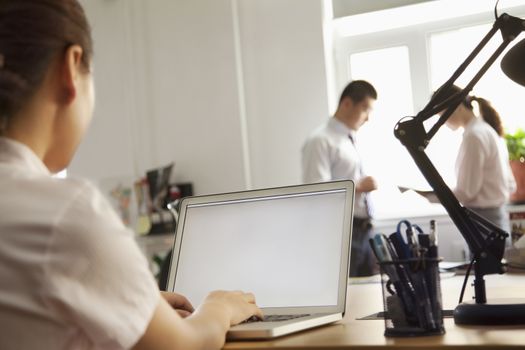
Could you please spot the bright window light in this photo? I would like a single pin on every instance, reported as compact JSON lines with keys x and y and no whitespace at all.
{"x":406,"y":66}
{"x":383,"y":155}
{"x":413,"y":15}
{"x":448,"y":49}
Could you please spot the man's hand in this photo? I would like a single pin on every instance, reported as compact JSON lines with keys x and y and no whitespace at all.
{"x":366,"y":184}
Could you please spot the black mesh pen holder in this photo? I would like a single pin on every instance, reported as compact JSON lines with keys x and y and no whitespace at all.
{"x":412,"y":297}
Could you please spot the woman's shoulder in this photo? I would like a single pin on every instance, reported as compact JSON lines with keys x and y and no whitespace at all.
{"x":71,"y":205}
{"x":42,"y":199}
{"x":481,"y":131}
{"x":75,"y":187}
{"x":68,"y":193}
{"x":85,"y":203}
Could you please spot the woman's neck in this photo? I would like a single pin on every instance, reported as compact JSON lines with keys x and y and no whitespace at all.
{"x":466,"y":117}
{"x":33,"y":126}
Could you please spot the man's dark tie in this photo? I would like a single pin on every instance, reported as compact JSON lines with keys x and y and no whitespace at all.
{"x":366,"y":197}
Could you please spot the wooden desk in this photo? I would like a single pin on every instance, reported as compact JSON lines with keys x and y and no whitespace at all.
{"x":365,"y":299}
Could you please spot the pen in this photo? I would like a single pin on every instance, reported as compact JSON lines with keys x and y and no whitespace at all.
{"x":425,"y":275}
{"x":433,"y":236}
{"x":398,"y":276}
{"x":433,"y":271}
{"x":417,"y":277}
{"x":423,"y":299}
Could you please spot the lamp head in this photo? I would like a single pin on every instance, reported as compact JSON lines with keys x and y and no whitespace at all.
{"x":513,"y":63}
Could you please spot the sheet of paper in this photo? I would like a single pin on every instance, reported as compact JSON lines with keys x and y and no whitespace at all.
{"x":427,"y":194}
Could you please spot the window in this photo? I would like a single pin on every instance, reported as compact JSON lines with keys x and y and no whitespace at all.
{"x":503,"y":93}
{"x":383,"y":155}
{"x":406,"y":59}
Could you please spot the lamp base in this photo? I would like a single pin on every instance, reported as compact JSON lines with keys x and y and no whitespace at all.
{"x":495,"y":312}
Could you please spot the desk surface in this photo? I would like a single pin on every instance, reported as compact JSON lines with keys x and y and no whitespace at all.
{"x":365,"y":299}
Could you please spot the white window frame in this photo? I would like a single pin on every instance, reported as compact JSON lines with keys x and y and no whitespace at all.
{"x":415,"y":35}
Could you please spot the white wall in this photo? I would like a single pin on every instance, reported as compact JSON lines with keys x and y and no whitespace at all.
{"x":108,"y":150}
{"x":228,"y":89}
{"x":344,"y":8}
{"x":285,"y":84}
{"x":194,"y":92}
{"x":165,"y":92}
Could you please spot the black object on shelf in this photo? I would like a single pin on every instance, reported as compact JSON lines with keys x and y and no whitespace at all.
{"x":182,"y":189}
{"x":164,"y":270}
{"x":165,"y":221}
{"x":186,"y":189}
{"x":160,"y":228}
{"x":158,"y":181}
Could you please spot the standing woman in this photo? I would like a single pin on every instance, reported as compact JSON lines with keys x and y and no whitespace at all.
{"x":71,"y":275}
{"x":483,"y":174}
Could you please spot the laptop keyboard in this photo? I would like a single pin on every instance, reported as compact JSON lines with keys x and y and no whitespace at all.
{"x":273,"y":318}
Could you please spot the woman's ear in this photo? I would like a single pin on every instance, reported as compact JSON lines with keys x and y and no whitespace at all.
{"x":71,"y":69}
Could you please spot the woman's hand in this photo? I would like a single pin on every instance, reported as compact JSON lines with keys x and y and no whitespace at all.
{"x":238,"y":305}
{"x":205,"y":328}
{"x":179,"y":303}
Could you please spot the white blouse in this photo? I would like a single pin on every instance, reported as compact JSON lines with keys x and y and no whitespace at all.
{"x":329,"y":154}
{"x":484,"y":177}
{"x":71,"y":274}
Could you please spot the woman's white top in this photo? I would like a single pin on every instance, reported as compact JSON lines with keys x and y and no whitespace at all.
{"x":484,"y":177}
{"x":71,"y":274}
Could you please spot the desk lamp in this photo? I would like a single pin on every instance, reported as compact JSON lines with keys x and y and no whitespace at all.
{"x":485,"y":240}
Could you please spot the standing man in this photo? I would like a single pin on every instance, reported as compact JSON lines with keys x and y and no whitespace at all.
{"x":330,"y":153}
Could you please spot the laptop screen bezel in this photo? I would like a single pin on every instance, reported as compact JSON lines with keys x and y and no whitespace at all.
{"x":346,"y":185}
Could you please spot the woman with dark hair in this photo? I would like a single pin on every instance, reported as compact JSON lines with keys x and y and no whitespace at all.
{"x":483,"y":175}
{"x":72,"y":275}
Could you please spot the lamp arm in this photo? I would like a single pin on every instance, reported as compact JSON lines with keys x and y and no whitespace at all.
{"x":485,"y":240}
{"x":510,"y":27}
{"x":431,"y":108}
{"x":474,"y":229}
{"x":468,"y":88}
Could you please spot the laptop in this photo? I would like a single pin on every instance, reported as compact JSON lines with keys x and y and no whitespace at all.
{"x":290,"y":246}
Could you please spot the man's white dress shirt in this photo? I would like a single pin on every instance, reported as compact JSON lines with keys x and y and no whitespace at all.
{"x":329,"y":154}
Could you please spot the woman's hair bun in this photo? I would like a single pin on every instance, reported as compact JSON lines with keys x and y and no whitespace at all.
{"x":13,"y":89}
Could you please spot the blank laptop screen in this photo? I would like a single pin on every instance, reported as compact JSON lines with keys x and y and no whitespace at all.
{"x":285,"y":249}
